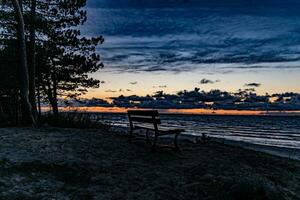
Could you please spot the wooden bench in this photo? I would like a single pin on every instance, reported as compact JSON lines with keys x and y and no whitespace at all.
{"x":149,"y":120}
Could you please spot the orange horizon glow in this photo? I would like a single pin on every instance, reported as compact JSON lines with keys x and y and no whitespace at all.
{"x":176,"y":111}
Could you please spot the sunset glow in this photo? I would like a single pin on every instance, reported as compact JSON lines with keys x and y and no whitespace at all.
{"x":174,"y":111}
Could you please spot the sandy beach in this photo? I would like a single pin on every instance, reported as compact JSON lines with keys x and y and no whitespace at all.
{"x":52,"y":163}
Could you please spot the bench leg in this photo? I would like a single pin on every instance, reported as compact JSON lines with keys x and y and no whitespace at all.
{"x":147,"y":136}
{"x":155,"y":141}
{"x":176,"y":142}
{"x":130,"y":134}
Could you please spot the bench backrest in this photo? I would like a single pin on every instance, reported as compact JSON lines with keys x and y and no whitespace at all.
{"x":144,"y":116}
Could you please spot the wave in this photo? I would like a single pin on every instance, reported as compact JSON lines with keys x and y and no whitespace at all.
{"x":265,"y":131}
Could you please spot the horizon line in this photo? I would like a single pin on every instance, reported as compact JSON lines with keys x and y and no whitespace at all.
{"x":220,"y":112}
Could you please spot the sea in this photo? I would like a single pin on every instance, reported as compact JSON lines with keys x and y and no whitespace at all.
{"x":272,"y":131}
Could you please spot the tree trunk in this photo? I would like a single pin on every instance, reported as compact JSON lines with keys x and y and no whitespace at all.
{"x":23,"y":70}
{"x":32,"y":64}
{"x":39,"y":101}
{"x":52,"y":97}
{"x":55,"y":104}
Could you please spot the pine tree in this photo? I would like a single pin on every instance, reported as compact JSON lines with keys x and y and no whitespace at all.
{"x":12,"y":35}
{"x":65,"y":58}
{"x":23,"y":69}
{"x":59,"y":58}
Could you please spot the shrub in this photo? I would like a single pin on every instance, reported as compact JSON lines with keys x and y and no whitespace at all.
{"x":80,"y":120}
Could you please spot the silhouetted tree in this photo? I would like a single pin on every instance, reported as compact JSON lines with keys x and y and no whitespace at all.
{"x":59,"y":58}
{"x":23,"y":70}
{"x":32,"y":57}
{"x":65,"y":58}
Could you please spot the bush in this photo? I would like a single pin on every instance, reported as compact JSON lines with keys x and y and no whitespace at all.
{"x":80,"y":120}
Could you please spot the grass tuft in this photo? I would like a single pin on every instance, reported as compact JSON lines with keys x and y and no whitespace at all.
{"x":77,"y":120}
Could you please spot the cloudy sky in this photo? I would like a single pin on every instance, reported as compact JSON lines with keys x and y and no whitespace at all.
{"x":173,"y":45}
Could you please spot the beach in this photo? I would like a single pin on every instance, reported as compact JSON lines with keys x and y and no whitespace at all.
{"x":56,"y":163}
{"x":276,"y":135}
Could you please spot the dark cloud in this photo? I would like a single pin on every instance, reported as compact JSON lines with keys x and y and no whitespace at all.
{"x":134,"y":83}
{"x":188,"y":3}
{"x":152,"y":61}
{"x":96,"y":102}
{"x":253,"y":85}
{"x":84,"y":102}
{"x":162,"y":86}
{"x":136,"y":41}
{"x":254,"y":98}
{"x":214,"y":99}
{"x":195,"y":99}
{"x":171,"y":61}
{"x":206,"y":81}
{"x":110,"y":91}
{"x":250,"y":90}
{"x":156,"y":69}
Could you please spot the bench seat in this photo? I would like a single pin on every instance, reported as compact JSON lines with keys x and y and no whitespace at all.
{"x":149,"y":120}
{"x":162,"y":130}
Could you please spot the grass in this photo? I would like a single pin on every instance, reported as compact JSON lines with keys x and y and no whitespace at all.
{"x":77,"y":120}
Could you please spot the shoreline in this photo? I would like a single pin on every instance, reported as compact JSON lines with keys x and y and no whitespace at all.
{"x":284,"y":152}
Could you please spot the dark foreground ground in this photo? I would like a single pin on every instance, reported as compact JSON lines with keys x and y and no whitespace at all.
{"x":93,"y":164}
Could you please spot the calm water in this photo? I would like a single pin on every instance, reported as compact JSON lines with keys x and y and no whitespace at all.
{"x":265,"y":130}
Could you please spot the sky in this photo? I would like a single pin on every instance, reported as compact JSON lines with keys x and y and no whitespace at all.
{"x":175,"y":45}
